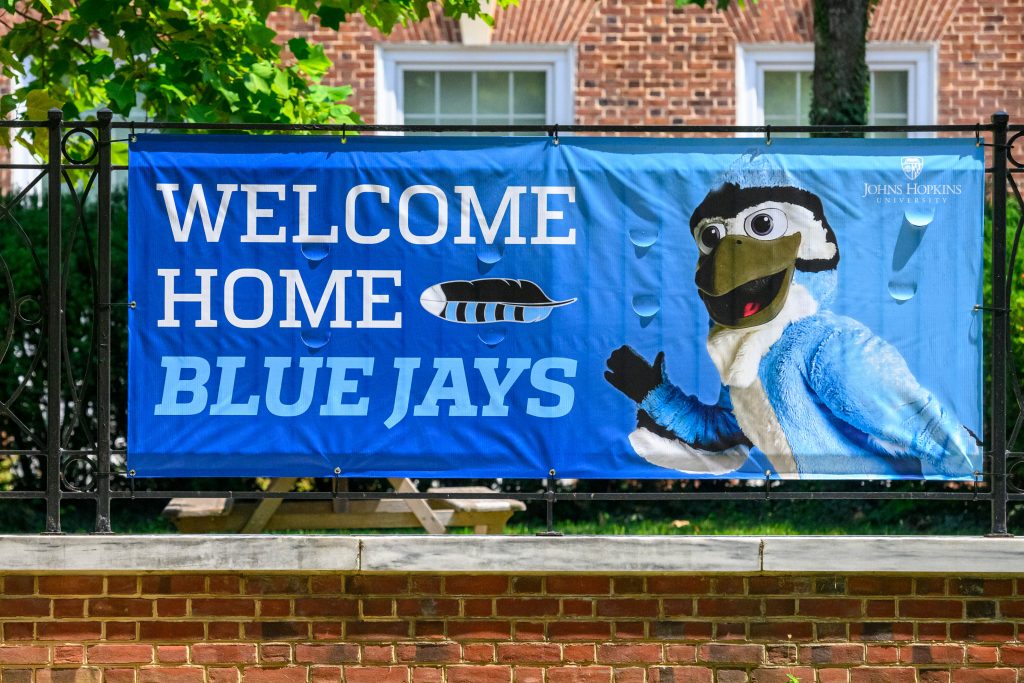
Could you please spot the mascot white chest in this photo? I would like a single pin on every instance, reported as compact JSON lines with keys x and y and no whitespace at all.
{"x":737,"y":353}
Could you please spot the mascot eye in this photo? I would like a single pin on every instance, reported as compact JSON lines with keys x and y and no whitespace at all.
{"x":709,"y":236}
{"x":767,"y":224}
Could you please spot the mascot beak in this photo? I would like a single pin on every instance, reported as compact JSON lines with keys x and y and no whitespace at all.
{"x":744,"y":281}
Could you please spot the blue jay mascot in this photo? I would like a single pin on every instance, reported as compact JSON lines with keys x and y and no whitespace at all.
{"x":818,"y":394}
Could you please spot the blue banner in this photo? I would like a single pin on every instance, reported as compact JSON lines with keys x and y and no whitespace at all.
{"x":515,"y":307}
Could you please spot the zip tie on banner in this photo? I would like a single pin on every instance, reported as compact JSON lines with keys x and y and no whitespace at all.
{"x":132,"y":137}
{"x":977,"y":474}
{"x":767,"y":484}
{"x":768,"y":134}
{"x":344,"y":133}
{"x":554,"y":133}
{"x":977,"y":135}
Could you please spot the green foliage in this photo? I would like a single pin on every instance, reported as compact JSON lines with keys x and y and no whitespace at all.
{"x":182,"y":60}
{"x":719,"y":4}
{"x":1014,"y":222}
{"x":23,"y":264}
{"x":384,"y":15}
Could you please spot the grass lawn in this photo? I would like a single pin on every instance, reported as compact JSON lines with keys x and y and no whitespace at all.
{"x":689,"y":518}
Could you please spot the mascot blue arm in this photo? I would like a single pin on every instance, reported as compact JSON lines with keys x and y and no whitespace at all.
{"x":865,"y":382}
{"x":709,"y":427}
{"x":667,"y":409}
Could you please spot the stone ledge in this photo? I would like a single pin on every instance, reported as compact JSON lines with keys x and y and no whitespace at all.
{"x":513,"y":554}
{"x":173,"y":553}
{"x":893,"y":554}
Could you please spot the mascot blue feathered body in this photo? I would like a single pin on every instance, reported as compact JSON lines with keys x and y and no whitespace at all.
{"x":817,"y":393}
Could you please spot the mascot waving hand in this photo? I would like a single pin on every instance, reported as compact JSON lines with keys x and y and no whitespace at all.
{"x":817,"y":393}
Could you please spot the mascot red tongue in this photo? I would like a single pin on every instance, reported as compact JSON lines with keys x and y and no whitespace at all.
{"x":751,"y":308}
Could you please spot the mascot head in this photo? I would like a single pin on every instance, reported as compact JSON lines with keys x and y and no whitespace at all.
{"x":757,"y":232}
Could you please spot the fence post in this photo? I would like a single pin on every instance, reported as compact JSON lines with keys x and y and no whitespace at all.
{"x":54,"y":323}
{"x":103,"y":306}
{"x":1000,"y":320}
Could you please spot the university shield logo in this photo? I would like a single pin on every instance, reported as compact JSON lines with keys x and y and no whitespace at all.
{"x":912,"y":167}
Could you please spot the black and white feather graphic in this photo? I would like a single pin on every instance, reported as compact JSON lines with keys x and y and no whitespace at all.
{"x":489,"y":300}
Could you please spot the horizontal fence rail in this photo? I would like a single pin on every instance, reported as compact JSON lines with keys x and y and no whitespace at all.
{"x":63,"y":411}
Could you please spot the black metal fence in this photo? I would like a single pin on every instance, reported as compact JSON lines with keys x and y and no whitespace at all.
{"x":56,"y":353}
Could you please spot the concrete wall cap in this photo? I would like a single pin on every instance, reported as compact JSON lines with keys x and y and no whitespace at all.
{"x":512,"y":554}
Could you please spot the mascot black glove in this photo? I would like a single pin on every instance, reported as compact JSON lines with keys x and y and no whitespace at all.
{"x":631,"y":374}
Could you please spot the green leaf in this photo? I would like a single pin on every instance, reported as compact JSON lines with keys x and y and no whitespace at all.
{"x":255,"y":83}
{"x":8,"y":103}
{"x":202,"y":113}
{"x":119,"y":47}
{"x":264,"y":70}
{"x":93,"y":11}
{"x":331,"y":17}
{"x":38,"y":103}
{"x":188,"y":50}
{"x":264,"y":7}
{"x":299,"y":47}
{"x":174,"y":90}
{"x":315,"y":63}
{"x":100,"y":66}
{"x":230,"y":97}
{"x":121,"y":92}
{"x":336,"y":92}
{"x":280,"y":85}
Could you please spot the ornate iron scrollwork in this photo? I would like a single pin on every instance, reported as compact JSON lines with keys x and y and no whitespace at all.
{"x":1009,"y":149}
{"x":68,"y":153}
{"x":78,"y":473}
{"x":1015,"y":473}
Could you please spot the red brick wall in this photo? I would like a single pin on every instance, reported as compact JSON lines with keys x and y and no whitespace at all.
{"x":497,"y":628}
{"x":644,"y":61}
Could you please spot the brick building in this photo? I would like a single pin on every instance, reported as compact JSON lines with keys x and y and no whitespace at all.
{"x":648,"y":62}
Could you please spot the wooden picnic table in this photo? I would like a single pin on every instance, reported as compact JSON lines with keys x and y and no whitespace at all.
{"x":435,"y":515}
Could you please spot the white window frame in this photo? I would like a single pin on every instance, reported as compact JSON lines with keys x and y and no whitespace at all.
{"x":919,"y":60}
{"x":393,"y":60}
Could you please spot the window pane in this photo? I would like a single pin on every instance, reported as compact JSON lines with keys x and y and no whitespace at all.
{"x":780,"y":96}
{"x":890,"y":93}
{"x":888,"y":120}
{"x":460,"y":97}
{"x":452,"y":120}
{"x":419,"y":92}
{"x":891,"y":119}
{"x":492,"y":92}
{"x":528,"y":120}
{"x":805,"y":98}
{"x":456,"y":92}
{"x":529,"y":92}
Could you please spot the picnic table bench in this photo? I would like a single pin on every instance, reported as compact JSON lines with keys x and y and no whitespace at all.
{"x":435,"y":515}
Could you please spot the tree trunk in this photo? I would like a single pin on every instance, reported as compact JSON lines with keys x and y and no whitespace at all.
{"x":840,"y":93}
